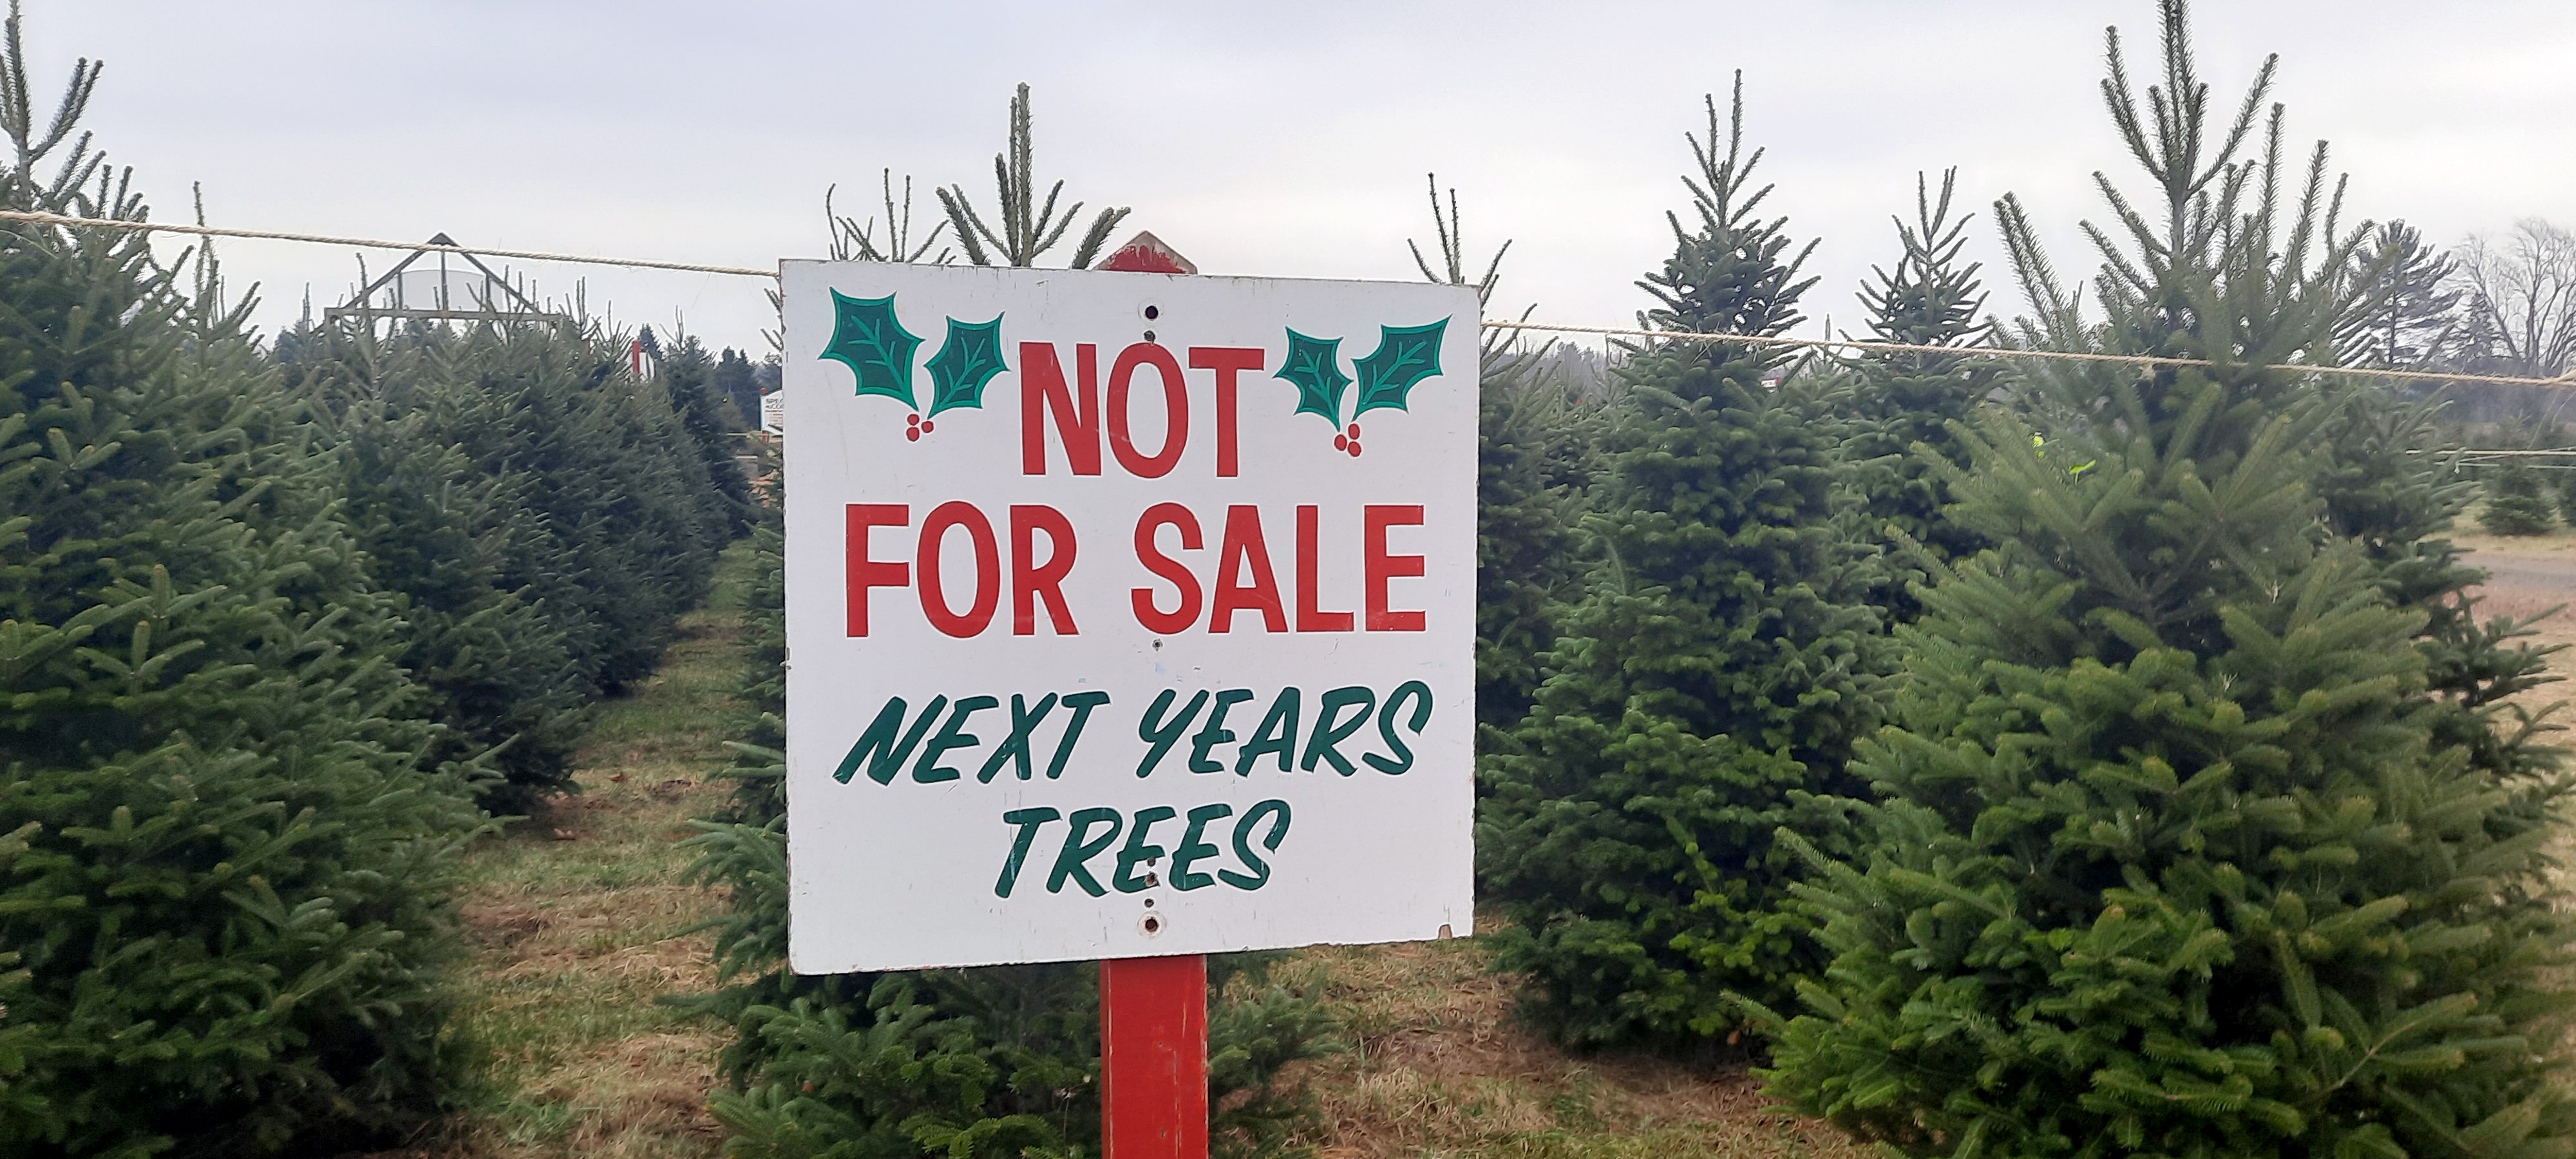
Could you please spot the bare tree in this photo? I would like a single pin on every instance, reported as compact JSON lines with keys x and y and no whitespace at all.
{"x":2521,"y":292}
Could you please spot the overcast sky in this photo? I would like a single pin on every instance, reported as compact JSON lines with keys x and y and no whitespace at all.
{"x":1280,"y":139}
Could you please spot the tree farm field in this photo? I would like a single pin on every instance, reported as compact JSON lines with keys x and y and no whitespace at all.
{"x":580,"y":926}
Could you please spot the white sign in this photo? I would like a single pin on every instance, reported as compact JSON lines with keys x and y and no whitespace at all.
{"x":1128,"y":614}
{"x":773,"y":412}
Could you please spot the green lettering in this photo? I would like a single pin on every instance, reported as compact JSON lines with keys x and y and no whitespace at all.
{"x":1162,"y":736}
{"x":1080,"y":848}
{"x":1137,"y":852}
{"x":1215,"y":733}
{"x":928,"y":770}
{"x":1081,"y":703}
{"x":877,"y":745}
{"x":1191,"y":848}
{"x":1260,"y":874}
{"x":1017,"y":744}
{"x":1420,"y":694}
{"x":1028,"y":820}
{"x":1277,"y":734}
{"x":1330,"y":732}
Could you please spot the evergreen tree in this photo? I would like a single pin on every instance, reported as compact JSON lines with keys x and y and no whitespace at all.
{"x":739,"y":385}
{"x":447,"y":535}
{"x":2409,"y":305}
{"x":1706,"y":687}
{"x":2171,"y":858}
{"x":2516,"y":504}
{"x":1028,"y":228}
{"x":1534,"y":460}
{"x":688,"y":376}
{"x":223,"y":860}
{"x":1903,"y":404}
{"x":547,"y":517}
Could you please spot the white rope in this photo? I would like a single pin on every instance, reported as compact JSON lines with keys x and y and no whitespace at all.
{"x":41,"y":218}
{"x":1994,"y":352}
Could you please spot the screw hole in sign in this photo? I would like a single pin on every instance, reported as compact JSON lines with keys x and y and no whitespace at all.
{"x":1153,"y":312}
{"x":1152,"y":925}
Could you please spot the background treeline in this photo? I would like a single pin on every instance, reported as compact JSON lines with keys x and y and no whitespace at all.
{"x":282,"y":626}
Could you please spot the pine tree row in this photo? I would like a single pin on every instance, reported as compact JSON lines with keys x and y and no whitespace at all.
{"x":278,"y":623}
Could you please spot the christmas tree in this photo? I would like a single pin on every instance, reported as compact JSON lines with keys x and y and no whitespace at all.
{"x":1903,"y":403}
{"x":1707,"y":684}
{"x":2172,"y":857}
{"x":1535,"y":444}
{"x":224,"y":853}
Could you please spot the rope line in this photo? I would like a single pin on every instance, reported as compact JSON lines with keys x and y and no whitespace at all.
{"x":1995,"y":352}
{"x":41,"y":218}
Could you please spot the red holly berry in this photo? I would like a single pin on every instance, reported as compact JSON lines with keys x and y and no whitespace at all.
{"x":1340,"y":443}
{"x":926,"y":426}
{"x":913,"y":434}
{"x":1355,"y":448}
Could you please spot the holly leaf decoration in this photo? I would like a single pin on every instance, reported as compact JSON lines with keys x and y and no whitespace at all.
{"x":969,"y":358}
{"x":871,"y":341}
{"x":1405,"y":355}
{"x":1314,"y":367}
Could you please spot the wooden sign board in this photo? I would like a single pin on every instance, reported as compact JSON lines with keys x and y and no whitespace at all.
{"x":1129,"y":614}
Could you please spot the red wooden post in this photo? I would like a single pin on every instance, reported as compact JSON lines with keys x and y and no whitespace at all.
{"x":1153,"y":1011}
{"x":1153,"y":1057}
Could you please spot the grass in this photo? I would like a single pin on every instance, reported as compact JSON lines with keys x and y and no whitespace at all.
{"x":1441,"y":1067}
{"x":577,"y":921}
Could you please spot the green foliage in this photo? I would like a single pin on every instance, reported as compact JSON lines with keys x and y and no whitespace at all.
{"x":999,"y":1062}
{"x":1534,"y":460}
{"x":2516,"y":504}
{"x":739,"y":382}
{"x":226,"y":849}
{"x":1705,"y":689}
{"x":2174,"y":853}
{"x":1903,"y":404}
{"x":548,"y":516}
{"x":1028,"y":228}
{"x":689,"y":380}
{"x":1535,"y":457}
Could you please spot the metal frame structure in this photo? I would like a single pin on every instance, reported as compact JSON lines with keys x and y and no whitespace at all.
{"x":362,"y":305}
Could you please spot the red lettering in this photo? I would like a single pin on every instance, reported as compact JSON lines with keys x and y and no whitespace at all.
{"x":1176,"y":410}
{"x":1032,"y":581}
{"x":1309,"y":618}
{"x":865,"y":573}
{"x":1180,"y":618}
{"x":1243,"y":545}
{"x":1226,"y":361}
{"x":1043,"y":392}
{"x":988,"y":569}
{"x":1376,"y":566}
